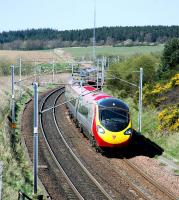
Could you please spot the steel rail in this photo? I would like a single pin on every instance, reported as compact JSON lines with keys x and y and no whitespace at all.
{"x":77,"y":159}
{"x":51,"y":152}
{"x":161,"y":188}
{"x":58,"y":164}
{"x":70,"y":150}
{"x":153,"y":182}
{"x":142,"y":194}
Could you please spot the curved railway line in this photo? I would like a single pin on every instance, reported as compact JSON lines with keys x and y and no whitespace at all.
{"x":69,"y":162}
{"x":81,"y":181}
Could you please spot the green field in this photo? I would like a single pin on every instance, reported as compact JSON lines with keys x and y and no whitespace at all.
{"x":79,"y":52}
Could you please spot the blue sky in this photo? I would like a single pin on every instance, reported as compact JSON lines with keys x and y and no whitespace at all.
{"x":78,"y":14}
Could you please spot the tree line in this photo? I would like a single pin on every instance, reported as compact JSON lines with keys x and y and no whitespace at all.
{"x":117,"y":36}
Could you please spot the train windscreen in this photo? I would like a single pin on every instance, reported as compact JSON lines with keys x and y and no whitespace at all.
{"x":113,"y":115}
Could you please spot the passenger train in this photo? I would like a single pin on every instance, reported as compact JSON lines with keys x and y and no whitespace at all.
{"x":104,"y":119}
{"x":88,"y":75}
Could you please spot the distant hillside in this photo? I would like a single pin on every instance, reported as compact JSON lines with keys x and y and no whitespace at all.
{"x":117,"y":36}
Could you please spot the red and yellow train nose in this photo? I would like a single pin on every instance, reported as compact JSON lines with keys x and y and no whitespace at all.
{"x":112,"y":132}
{"x":108,"y":138}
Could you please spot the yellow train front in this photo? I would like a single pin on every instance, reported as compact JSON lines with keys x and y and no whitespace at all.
{"x":112,"y":125}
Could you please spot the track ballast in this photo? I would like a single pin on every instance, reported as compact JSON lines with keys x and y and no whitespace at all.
{"x":82,"y":182}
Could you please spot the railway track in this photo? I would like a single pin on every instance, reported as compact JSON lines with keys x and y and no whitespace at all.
{"x":83,"y":184}
{"x":154,"y":190}
{"x":161,"y":190}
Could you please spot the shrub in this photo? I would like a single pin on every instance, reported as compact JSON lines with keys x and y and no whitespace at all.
{"x":156,"y":94}
{"x":129,"y":70}
{"x":170,"y":58}
{"x":169,"y":118}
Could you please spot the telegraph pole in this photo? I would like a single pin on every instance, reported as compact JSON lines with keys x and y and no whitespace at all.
{"x":94,"y":33}
{"x":53,"y":71}
{"x":81,"y":85}
{"x":102,"y":73}
{"x":140,"y":101}
{"x":35,"y":70}
{"x":20,"y":78}
{"x":35,"y":156}
{"x":13,"y":98}
{"x":72,"y":69}
{"x":97,"y":73}
{"x":108,"y":64}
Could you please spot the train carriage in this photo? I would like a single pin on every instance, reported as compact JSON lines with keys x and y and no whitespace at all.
{"x":104,"y":119}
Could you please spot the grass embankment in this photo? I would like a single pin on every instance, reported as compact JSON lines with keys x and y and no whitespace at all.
{"x":17,"y":172}
{"x":20,"y":176}
{"x":163,"y":96}
{"x":86,"y":52}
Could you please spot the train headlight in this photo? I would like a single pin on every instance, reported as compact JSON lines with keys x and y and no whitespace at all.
{"x":100,"y":130}
{"x":128,"y":131}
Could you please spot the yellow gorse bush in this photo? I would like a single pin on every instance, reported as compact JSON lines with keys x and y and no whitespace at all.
{"x":155,"y":95}
{"x":159,"y":88}
{"x":175,"y":80}
{"x":169,"y":118}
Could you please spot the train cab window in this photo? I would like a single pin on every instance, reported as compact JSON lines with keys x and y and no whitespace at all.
{"x":114,"y":115}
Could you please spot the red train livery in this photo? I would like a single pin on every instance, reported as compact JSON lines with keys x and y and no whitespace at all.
{"x":104,"y":119}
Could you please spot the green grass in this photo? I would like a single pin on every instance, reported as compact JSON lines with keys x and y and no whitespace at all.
{"x":149,"y":117}
{"x":58,"y":67}
{"x":79,"y":52}
{"x":168,"y":141}
{"x":17,"y":172}
{"x":162,"y":164}
{"x":176,"y":171}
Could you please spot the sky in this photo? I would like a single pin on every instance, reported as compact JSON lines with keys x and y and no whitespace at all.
{"x":79,"y":14}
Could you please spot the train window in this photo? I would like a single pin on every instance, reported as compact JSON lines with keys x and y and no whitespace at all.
{"x":73,"y":101}
{"x":113,"y":118}
{"x":90,"y":111}
{"x":111,"y":102}
{"x":83,"y":110}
